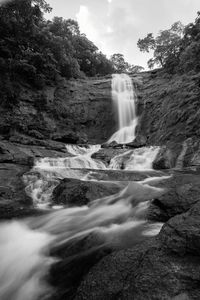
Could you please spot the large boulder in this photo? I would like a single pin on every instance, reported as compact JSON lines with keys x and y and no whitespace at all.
{"x":183,"y":191}
{"x":74,"y":192}
{"x":75,"y":259}
{"x":181,"y":234}
{"x":164,"y":159}
{"x":107,"y":154}
{"x":145,"y":272}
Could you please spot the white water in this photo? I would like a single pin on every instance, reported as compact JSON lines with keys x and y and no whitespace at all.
{"x":124,"y":99}
{"x":119,"y":219}
{"x":47,"y":172}
{"x":138,"y":159}
{"x":23,"y":262}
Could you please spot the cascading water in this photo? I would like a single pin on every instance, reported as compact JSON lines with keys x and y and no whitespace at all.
{"x":47,"y":172}
{"x":138,"y":159}
{"x":124,"y":99}
{"x":119,"y":219}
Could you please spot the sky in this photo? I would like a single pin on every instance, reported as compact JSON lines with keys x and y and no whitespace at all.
{"x":115,"y":26}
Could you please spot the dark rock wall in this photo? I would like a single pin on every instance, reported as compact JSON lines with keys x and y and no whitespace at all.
{"x":79,"y":110}
{"x":70,"y":111}
{"x":169,"y":107}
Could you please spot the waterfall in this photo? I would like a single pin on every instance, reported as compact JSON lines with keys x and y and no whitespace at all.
{"x":118,"y":220}
{"x":124,"y":99}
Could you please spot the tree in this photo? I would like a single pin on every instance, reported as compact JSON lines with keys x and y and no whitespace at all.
{"x":165,"y":46}
{"x":189,"y":58}
{"x":135,"y":69}
{"x":119,"y":63}
{"x":121,"y":66}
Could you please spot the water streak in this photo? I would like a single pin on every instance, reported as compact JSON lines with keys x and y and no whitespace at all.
{"x":124,"y":99}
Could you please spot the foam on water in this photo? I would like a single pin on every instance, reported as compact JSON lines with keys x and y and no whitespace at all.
{"x":137,"y":159}
{"x":119,"y":219}
{"x":47,"y":172}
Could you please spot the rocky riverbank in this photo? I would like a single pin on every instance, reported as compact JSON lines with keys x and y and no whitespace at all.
{"x":163,"y":267}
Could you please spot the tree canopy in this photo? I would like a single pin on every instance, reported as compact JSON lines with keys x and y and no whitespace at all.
{"x":121,"y":66}
{"x":167,"y":43}
{"x":176,"y":49}
{"x":37,"y":49}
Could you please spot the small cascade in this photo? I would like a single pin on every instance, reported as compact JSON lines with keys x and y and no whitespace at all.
{"x":139,"y":159}
{"x":124,"y":99}
{"x":47,"y":172}
{"x":80,"y":159}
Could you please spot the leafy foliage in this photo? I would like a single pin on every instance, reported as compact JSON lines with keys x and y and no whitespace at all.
{"x":121,"y":66}
{"x":165,"y":45}
{"x":176,"y":49}
{"x":36,"y":50}
{"x":189,"y":56}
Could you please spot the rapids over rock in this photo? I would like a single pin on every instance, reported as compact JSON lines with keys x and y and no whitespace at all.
{"x":114,"y":218}
{"x":30,"y":248}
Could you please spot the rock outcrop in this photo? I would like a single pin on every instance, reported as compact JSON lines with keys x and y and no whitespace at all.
{"x":165,"y":267}
{"x":16,"y":160}
{"x":72,"y":111}
{"x":182,"y":192}
{"x":74,"y":192}
{"x":145,"y":272}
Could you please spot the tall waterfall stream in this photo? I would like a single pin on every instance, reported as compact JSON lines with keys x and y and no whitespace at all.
{"x":25,"y":244}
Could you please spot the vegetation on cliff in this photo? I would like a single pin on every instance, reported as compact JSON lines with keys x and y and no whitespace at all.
{"x":176,"y":49}
{"x":37,"y":49}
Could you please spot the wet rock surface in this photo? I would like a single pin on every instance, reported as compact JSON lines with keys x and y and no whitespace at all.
{"x":166,"y":267}
{"x":106,"y":154}
{"x":16,"y":160}
{"x":181,"y":234}
{"x":145,"y":272}
{"x":74,"y":192}
{"x":76,"y":259}
{"x":182,"y":192}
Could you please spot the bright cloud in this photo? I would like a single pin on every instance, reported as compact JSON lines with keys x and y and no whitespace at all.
{"x":115,"y":25}
{"x":86,"y":24}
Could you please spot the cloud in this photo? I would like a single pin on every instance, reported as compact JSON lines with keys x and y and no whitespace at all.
{"x":89,"y":25}
{"x":86,"y":24}
{"x":115,"y":25}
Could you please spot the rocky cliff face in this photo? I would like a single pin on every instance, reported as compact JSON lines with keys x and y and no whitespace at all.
{"x":70,"y":111}
{"x":169,"y":111}
{"x":81,"y":110}
{"x":169,"y":107}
